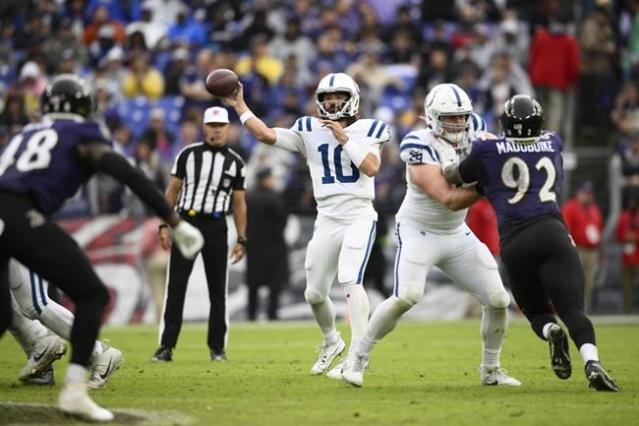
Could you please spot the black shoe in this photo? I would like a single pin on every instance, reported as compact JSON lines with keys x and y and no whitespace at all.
{"x":599,"y":378}
{"x":43,"y":378}
{"x":559,"y":352}
{"x":218,"y":356}
{"x":162,"y":354}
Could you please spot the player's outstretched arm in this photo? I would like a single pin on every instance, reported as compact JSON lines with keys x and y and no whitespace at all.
{"x":253,"y":124}
{"x":100,"y":157}
{"x":430,"y":180}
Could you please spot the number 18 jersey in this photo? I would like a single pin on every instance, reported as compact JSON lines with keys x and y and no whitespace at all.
{"x":341,"y":190}
{"x":42,"y":161}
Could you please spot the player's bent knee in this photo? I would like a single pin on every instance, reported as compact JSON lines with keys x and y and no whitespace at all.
{"x":313,"y":297}
{"x":411,"y":295}
{"x":499,"y":300}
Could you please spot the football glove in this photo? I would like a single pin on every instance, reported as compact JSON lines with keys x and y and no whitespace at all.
{"x":188,"y":238}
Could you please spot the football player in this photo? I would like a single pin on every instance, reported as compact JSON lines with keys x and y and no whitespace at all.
{"x":30,"y":293}
{"x":343,"y":156}
{"x":521,"y":175}
{"x":431,"y":231}
{"x":41,"y":167}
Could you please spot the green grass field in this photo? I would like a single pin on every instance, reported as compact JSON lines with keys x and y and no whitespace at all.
{"x":423,"y":373}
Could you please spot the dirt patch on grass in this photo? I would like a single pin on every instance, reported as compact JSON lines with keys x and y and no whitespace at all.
{"x":14,"y":413}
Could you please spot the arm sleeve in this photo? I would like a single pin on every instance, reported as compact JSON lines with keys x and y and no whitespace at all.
{"x":117,"y":166}
{"x":289,"y":140}
{"x":469,"y":169}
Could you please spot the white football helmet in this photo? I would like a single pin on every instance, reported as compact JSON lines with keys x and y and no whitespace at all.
{"x":477,"y":127}
{"x":338,"y":83}
{"x":445,"y":100}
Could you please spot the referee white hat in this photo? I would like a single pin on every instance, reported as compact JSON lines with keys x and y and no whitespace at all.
{"x":216,"y":115}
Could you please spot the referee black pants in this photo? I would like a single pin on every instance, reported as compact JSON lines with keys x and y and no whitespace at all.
{"x":214,"y":255}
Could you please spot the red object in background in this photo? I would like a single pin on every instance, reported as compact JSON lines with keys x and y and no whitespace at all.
{"x":482,"y":220}
{"x":584,"y":223}
{"x":554,"y":60}
{"x":627,"y":226}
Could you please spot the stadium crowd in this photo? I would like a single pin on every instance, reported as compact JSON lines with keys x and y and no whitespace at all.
{"x":147,"y":59}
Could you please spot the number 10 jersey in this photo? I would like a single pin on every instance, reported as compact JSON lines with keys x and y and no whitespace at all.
{"x":341,"y":190}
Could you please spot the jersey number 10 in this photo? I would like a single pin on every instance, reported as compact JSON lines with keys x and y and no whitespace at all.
{"x":337,"y":161}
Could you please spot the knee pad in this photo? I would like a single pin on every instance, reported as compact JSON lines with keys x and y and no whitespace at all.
{"x":313,"y":297}
{"x":499,"y":300}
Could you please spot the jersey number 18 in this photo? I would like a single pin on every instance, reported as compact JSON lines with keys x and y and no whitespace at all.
{"x":36,"y":155}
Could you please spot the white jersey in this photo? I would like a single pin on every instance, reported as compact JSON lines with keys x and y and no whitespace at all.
{"x":422,"y":147}
{"x":341,"y":190}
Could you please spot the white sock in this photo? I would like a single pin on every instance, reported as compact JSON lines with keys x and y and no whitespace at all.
{"x":98,"y":348}
{"x":589,"y":352}
{"x":357,"y":305}
{"x":493,"y":329}
{"x":26,"y":331}
{"x":382,"y":322}
{"x":76,"y":374}
{"x":57,"y":319}
{"x":324,"y":313}
{"x":546,"y":330}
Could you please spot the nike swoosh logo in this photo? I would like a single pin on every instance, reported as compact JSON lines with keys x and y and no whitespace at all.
{"x":39,"y":356}
{"x":467,"y":233}
{"x":106,"y":373}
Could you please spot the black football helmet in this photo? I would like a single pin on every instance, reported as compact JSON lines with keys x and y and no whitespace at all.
{"x":522,"y":117}
{"x":67,"y":94}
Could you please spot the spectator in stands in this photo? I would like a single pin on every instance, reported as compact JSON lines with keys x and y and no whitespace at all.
{"x":14,"y":114}
{"x":101,"y":20}
{"x":192,"y":82}
{"x":554,"y":70}
{"x":512,"y":36}
{"x":598,"y":53}
{"x":628,"y":236}
{"x":258,"y":28}
{"x":189,"y":134}
{"x":404,"y":23}
{"x":625,"y":114}
{"x":629,"y":153}
{"x":175,"y":70}
{"x":583,"y":220}
{"x":503,"y":79}
{"x":293,"y":42}
{"x":435,"y":71}
{"x":187,"y":30}
{"x":261,"y":60}
{"x":62,"y":40}
{"x":153,"y":31}
{"x":158,"y":136}
{"x":142,"y":79}
{"x":31,"y":83}
{"x":122,"y":11}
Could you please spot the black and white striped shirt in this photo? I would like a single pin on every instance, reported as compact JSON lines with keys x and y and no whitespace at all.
{"x":209,"y":176}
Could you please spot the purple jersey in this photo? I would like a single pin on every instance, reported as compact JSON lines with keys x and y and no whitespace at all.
{"x":522,"y":180}
{"x":43,"y":162}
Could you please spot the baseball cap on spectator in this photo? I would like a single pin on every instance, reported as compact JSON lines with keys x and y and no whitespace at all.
{"x":181,"y":54}
{"x":30,"y":70}
{"x":586,"y":186}
{"x":216,"y":115}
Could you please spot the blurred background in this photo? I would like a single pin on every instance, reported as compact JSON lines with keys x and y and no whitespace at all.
{"x":146,"y":61}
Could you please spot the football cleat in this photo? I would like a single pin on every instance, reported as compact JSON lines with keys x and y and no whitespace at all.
{"x":336,"y":372}
{"x":327,"y":354}
{"x":43,"y":378}
{"x":103,"y":366}
{"x":559,"y":352}
{"x":496,"y":376}
{"x":599,"y":378}
{"x":162,"y":354}
{"x":75,"y":400}
{"x":353,"y":372}
{"x":45,"y":351}
{"x":218,"y":356}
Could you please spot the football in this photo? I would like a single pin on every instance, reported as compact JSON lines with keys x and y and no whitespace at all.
{"x":221,"y":82}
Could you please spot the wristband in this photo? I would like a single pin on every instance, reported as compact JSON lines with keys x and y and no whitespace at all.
{"x":356,"y":152}
{"x":244,"y":117}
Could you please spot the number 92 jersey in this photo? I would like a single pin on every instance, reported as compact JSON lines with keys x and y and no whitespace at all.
{"x":43,"y":160}
{"x":341,"y":190}
{"x":521,"y":179}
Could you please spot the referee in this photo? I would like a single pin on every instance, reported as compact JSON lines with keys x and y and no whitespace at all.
{"x":206,"y":179}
